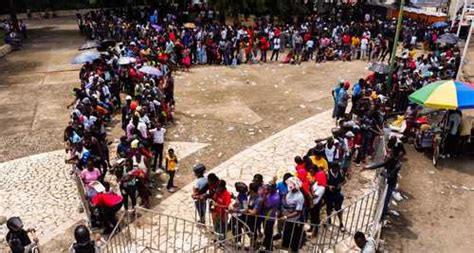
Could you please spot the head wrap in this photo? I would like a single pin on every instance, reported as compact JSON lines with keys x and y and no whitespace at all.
{"x":294,"y":180}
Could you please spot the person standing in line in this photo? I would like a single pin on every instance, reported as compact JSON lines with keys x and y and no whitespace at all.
{"x":171,"y":168}
{"x":276,"y":48}
{"x":158,"y":134}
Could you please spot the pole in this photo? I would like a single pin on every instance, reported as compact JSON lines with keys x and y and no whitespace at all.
{"x":395,"y":41}
{"x":453,"y":18}
{"x":464,"y":52}
{"x":462,"y":17}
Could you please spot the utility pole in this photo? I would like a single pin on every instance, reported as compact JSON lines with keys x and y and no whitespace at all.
{"x":462,"y":17}
{"x":464,"y":52}
{"x":395,"y":41}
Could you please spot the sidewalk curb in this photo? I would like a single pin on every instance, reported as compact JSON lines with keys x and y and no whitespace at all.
{"x":5,"y":49}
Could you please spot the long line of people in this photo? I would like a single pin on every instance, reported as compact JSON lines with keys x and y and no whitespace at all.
{"x":161,"y":35}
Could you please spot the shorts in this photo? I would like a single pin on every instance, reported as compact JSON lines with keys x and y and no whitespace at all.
{"x":334,"y":201}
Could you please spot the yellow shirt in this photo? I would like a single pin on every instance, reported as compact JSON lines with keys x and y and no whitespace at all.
{"x":412,"y":54}
{"x":355,"y":41}
{"x":321,"y":163}
{"x":171,"y":162}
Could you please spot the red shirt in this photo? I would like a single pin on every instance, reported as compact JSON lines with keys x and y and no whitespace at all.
{"x":321,"y":178}
{"x":221,"y":199}
{"x":302,"y":174}
{"x":106,"y":199}
{"x":346,"y":39}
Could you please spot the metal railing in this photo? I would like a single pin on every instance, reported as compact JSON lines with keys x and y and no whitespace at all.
{"x":362,"y":215}
{"x":151,"y":231}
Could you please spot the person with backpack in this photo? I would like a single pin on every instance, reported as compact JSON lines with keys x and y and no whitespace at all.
{"x":17,"y":237}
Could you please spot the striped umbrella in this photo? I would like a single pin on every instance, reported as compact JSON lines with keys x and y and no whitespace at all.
{"x":445,"y":94}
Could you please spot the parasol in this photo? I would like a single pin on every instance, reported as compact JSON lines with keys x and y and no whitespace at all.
{"x":445,"y":94}
{"x":85,"y":57}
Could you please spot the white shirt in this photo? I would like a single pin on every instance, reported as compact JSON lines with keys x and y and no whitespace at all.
{"x":276,"y":43}
{"x":369,"y":246}
{"x":318,"y":192}
{"x":158,"y":135}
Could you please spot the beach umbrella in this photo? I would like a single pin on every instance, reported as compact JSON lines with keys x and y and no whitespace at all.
{"x":85,"y":57}
{"x":158,"y":28}
{"x":379,"y":68}
{"x":440,"y":24}
{"x":445,"y":94}
{"x":448,"y":38}
{"x":189,"y":25}
{"x":150,"y":71}
{"x":126,"y":60}
{"x":89,"y":45}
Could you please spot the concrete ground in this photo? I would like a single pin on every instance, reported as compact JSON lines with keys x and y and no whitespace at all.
{"x":220,"y":112}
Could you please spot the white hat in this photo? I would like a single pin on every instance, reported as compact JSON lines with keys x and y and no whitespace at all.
{"x":350,"y":134}
{"x":128,"y":97}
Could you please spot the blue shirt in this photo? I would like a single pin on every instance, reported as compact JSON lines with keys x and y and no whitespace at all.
{"x":336,"y":93}
{"x":282,"y":188}
{"x":356,"y":90}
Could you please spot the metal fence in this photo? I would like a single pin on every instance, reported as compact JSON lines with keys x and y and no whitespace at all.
{"x":272,"y":233}
{"x":362,"y":215}
{"x":151,"y":231}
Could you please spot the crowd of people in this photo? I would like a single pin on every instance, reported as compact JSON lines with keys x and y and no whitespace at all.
{"x":165,"y":37}
{"x":166,"y":41}
{"x":15,"y":32}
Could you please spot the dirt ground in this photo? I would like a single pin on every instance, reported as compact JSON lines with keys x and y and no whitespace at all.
{"x":230,"y":109}
{"x":437,"y":217}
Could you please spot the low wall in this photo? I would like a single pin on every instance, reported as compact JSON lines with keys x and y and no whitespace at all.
{"x":5,"y":49}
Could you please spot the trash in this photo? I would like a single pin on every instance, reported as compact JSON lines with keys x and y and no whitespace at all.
{"x":159,"y":196}
{"x":431,"y":172}
{"x":465,"y":188}
{"x":394,"y":213}
{"x":220,"y":154}
{"x":303,"y":106}
{"x":230,"y":128}
{"x":397,"y":196}
{"x":394,"y":203}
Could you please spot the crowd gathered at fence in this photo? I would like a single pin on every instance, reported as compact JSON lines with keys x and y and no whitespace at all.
{"x":133,"y":76}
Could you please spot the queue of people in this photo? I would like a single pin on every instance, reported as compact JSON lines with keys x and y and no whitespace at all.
{"x":164,"y":35}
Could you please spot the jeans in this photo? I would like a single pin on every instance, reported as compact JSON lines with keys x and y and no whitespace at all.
{"x":268,"y":232}
{"x":315,"y":214}
{"x":129,"y":191}
{"x":275,"y":52}
{"x":171,"y":180}
{"x":201,"y":210}
{"x":158,"y":150}
{"x":388,"y":197}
